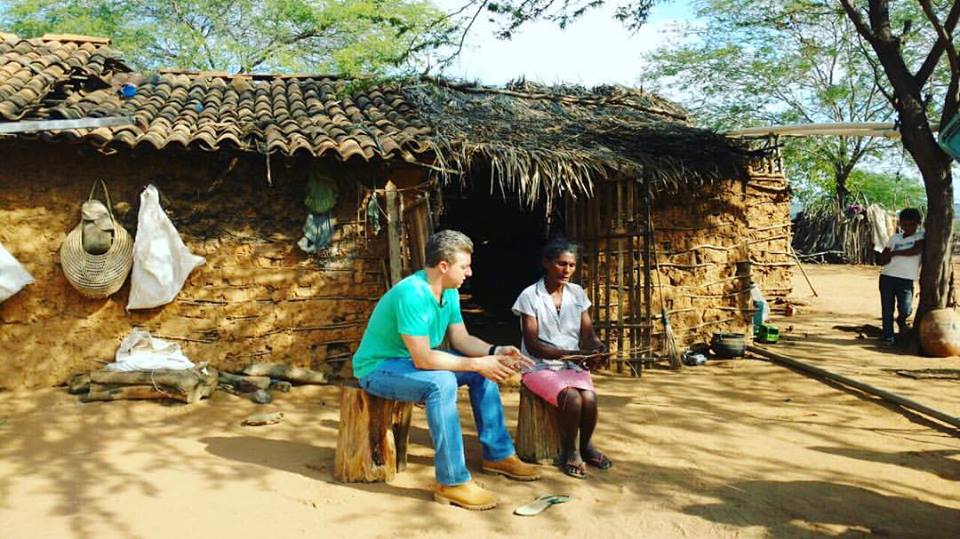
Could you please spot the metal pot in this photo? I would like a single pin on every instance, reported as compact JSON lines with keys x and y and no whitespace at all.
{"x":728,"y":345}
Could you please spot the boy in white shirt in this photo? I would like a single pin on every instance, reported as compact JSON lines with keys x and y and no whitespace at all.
{"x":901,"y":268}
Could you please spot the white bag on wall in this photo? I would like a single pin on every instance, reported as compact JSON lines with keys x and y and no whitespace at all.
{"x":13,"y":276}
{"x":161,"y":262}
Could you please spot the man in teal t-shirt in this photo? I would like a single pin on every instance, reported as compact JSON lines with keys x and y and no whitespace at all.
{"x":398,"y":359}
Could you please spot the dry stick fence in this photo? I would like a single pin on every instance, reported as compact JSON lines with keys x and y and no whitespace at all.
{"x":823,"y":236}
{"x":615,"y":229}
{"x":615,"y":263}
{"x":705,"y":280}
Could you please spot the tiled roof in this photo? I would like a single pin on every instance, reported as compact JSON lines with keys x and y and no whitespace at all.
{"x":208,"y":111}
{"x":526,"y":132}
{"x":33,"y":71}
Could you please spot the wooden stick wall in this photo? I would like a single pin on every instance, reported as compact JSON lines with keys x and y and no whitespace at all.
{"x":710,"y":243}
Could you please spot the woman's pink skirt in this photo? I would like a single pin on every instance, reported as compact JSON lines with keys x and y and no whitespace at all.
{"x":548,"y":384}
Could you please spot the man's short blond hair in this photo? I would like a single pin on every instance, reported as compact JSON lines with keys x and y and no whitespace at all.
{"x":443,"y":245}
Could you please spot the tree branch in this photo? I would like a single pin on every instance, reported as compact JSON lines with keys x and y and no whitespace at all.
{"x":466,"y":30}
{"x":875,"y":68}
{"x":269,"y":50}
{"x":858,"y":21}
{"x":937,"y":51}
{"x":942,"y":34}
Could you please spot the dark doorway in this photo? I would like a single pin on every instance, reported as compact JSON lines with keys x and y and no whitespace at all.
{"x":507,"y":237}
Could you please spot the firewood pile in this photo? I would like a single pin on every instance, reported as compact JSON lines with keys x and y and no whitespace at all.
{"x":255,"y":382}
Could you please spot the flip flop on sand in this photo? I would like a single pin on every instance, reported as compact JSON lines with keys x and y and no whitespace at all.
{"x":578,"y":470}
{"x":540,"y":505}
{"x":600,"y":461}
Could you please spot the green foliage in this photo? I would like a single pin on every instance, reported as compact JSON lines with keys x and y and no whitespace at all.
{"x":512,"y":14}
{"x":775,"y":62}
{"x":814,"y":185}
{"x":347,"y":37}
{"x":888,"y":190}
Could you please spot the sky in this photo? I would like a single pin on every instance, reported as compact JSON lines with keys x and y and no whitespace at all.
{"x":596,"y":49}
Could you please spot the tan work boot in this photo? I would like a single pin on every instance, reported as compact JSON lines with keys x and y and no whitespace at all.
{"x":514,"y":468}
{"x":468,"y":495}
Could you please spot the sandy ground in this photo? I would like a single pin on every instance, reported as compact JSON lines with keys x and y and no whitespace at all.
{"x":731,"y":449}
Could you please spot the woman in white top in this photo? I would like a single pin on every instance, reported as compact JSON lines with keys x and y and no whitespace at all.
{"x":555,"y":321}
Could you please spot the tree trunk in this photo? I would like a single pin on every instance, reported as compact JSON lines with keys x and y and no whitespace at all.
{"x":933,"y":162}
{"x":934,"y":165}
{"x":538,"y":428}
{"x":372,"y":437}
{"x":841,"y":173}
{"x":936,"y":271}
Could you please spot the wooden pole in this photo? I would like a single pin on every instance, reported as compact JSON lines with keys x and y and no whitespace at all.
{"x":886,"y":395}
{"x":393,"y":233}
{"x":621,"y":290}
{"x":608,"y":224}
{"x":803,"y":271}
{"x":647,"y":344}
{"x":632,"y":296}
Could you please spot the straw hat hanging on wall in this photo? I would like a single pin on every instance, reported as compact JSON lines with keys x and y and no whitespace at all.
{"x":97,"y":275}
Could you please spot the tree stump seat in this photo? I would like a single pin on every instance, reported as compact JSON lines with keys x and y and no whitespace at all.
{"x":538,"y":429}
{"x":371,"y":438}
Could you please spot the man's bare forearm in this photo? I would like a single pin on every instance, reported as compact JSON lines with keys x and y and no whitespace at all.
{"x":438,"y":360}
{"x":470,"y":346}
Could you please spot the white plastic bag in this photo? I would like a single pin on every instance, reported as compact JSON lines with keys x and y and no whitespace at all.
{"x":139,"y":351}
{"x":161,"y":262}
{"x":761,"y":304}
{"x":13,"y":276}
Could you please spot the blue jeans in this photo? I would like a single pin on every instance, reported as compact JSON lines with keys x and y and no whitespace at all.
{"x":899,"y":291}
{"x":399,"y":379}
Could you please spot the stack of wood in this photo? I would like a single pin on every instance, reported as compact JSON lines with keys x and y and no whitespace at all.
{"x":186,"y":385}
{"x":190,"y":385}
{"x":255,"y":381}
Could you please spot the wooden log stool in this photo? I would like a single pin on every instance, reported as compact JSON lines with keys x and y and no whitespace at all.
{"x":372,"y":437}
{"x":538,"y":429}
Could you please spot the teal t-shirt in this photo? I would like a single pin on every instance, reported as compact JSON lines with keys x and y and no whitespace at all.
{"x":409,"y":308}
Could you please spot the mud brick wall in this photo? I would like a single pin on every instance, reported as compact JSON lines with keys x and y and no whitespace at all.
{"x":711,"y":244}
{"x":258,"y":298}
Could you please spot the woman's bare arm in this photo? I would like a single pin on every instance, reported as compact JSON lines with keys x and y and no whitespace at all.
{"x":588,"y":336}
{"x":535,"y":346}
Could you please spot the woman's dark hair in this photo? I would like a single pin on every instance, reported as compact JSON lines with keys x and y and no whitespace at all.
{"x":558,"y":246}
{"x":911,"y":214}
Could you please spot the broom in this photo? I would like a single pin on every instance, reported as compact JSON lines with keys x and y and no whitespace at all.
{"x":669,"y":341}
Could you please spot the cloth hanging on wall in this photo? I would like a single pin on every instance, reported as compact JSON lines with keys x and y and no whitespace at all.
{"x":161,"y":261}
{"x":13,"y":276}
{"x":373,"y":214}
{"x":317,"y":232}
{"x":322,"y":193}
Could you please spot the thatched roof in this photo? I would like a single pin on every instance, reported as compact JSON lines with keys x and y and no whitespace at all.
{"x":548,"y":139}
{"x":539,"y":141}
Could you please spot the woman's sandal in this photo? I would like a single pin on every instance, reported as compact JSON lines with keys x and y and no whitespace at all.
{"x":574,"y":470}
{"x":599,"y":461}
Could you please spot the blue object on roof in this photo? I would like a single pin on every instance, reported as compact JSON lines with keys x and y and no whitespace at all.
{"x":128,"y":90}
